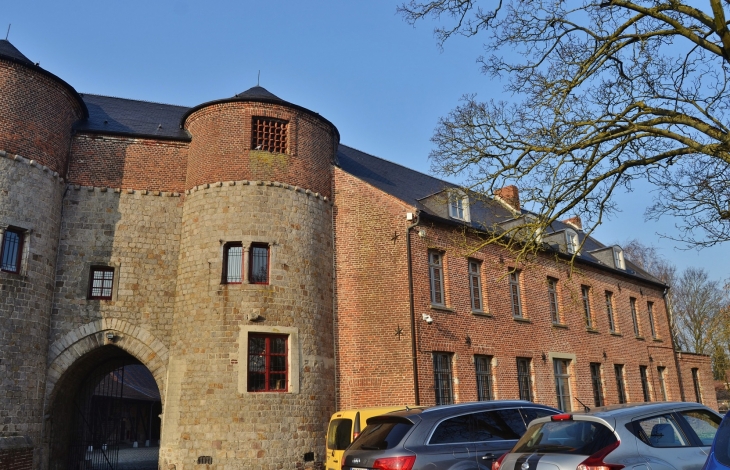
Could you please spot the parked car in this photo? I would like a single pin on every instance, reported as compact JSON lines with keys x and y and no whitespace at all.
{"x":719,"y":458}
{"x":655,"y":436}
{"x":345,"y":426}
{"x":463,"y":436}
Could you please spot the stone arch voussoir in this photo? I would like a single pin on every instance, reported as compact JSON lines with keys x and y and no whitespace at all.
{"x":137,"y":341}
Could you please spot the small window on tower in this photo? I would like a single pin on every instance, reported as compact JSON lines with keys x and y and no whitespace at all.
{"x":11,"y":252}
{"x":101,"y":283}
{"x":269,"y":135}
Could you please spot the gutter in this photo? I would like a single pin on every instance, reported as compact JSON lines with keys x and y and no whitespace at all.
{"x":412,"y":309}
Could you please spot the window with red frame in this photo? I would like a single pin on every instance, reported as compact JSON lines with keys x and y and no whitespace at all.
{"x":267,"y":363}
{"x":232,"y":263}
{"x":101,"y":283}
{"x":259,"y":264}
{"x":12,"y":251}
{"x":268,"y":135}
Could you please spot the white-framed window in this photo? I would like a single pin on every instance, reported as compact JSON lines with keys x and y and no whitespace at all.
{"x":618,"y":258}
{"x":459,"y":206}
{"x":571,"y":241}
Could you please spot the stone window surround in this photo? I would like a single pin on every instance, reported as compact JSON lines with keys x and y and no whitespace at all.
{"x":101,"y":269}
{"x":573,"y":359}
{"x":86,"y":274}
{"x":293,"y":353}
{"x":246,"y":243}
{"x":25,"y":253}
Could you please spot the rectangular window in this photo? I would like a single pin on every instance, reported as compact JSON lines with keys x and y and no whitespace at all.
{"x":597,"y":384}
{"x":436,"y":275}
{"x":514,"y":287}
{"x":268,"y":134}
{"x":644,"y":383}
{"x":524,"y":379}
{"x":662,"y":385}
{"x":696,"y":383}
{"x":650,"y":313}
{"x":483,"y":366}
{"x":475,"y":285}
{"x":232,"y":263}
{"x":259,"y":264}
{"x":442,"y":378}
{"x":620,"y":388}
{"x":267,"y":363}
{"x":552,"y":284}
{"x":101,"y":283}
{"x":562,"y":383}
{"x":459,"y":207}
{"x":634,"y":318}
{"x":609,"y":312}
{"x":12,"y":251}
{"x":586,"y":295}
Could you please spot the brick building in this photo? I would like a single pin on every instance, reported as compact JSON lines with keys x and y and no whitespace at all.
{"x":266,"y":275}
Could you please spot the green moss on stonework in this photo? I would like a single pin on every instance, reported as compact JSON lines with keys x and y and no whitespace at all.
{"x":268,"y":163}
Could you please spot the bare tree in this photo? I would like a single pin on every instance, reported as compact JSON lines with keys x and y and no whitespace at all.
{"x":603,"y":93}
{"x":699,"y":307}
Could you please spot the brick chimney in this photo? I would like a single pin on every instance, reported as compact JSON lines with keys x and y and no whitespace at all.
{"x":510,"y":196}
{"x":574,"y":222}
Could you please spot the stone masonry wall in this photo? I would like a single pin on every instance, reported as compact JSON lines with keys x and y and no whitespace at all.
{"x":209,"y":412}
{"x":36,"y":115}
{"x":30,"y":199}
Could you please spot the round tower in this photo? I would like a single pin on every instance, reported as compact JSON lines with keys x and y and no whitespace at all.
{"x":37,"y":112}
{"x":251,"y":372}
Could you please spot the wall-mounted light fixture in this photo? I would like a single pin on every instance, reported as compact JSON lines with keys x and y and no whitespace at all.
{"x":468,"y":341}
{"x":544,"y":357}
{"x":605,"y":356}
{"x":110,"y":336}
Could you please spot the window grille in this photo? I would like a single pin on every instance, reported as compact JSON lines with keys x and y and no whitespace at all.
{"x":634,"y":318}
{"x":650,"y":313}
{"x":269,"y":135}
{"x":232,"y":263}
{"x":442,"y":378}
{"x":621,"y":390}
{"x":609,"y":311}
{"x":524,"y":379}
{"x":435,"y":270}
{"x":586,"y":294}
{"x":259,"y":264}
{"x":12,"y":250}
{"x":475,"y":285}
{"x":552,"y":284}
{"x":483,"y":366}
{"x":662,"y":386}
{"x":514,"y":286}
{"x":562,"y":383}
{"x":597,"y":384}
{"x":696,"y":382}
{"x":267,"y":363}
{"x":101,"y":283}
{"x":644,"y":383}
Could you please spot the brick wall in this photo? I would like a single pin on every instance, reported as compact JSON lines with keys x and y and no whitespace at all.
{"x":701,"y":362}
{"x":16,"y":459}
{"x":36,"y":115}
{"x":221,"y":147}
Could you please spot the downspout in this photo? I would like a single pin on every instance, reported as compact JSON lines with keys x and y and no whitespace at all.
{"x":675,"y":352}
{"x":412,"y":309}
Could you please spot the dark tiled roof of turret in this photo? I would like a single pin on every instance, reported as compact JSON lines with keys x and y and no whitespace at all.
{"x":258,"y":93}
{"x":9,"y":51}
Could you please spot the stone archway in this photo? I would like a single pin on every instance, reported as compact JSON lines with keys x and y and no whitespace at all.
{"x":77,"y":362}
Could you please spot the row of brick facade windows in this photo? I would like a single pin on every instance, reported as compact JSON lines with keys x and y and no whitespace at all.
{"x":438,"y":297}
{"x":563,"y":371}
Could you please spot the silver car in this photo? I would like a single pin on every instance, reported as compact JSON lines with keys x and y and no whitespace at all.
{"x":646,"y":436}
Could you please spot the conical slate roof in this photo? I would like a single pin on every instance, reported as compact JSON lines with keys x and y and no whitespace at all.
{"x":9,"y":51}
{"x":258,"y":93}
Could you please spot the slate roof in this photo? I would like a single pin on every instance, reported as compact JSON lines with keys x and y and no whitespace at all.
{"x":9,"y":51}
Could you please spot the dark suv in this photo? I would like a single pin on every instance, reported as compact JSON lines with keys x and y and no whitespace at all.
{"x":464,"y":436}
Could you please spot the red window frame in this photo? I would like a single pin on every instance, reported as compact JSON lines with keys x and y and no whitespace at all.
{"x":11,"y":257}
{"x":228,"y":276}
{"x":264,"y":360}
{"x":252,"y":264}
{"x":104,"y":283}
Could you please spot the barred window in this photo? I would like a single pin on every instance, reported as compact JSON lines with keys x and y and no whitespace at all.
{"x":245,"y":264}
{"x":483,"y":366}
{"x":524,"y":378}
{"x":442,"y":378}
{"x":597,"y":384}
{"x":232,"y":263}
{"x":101,"y":282}
{"x":269,"y":135}
{"x":259,"y":264}
{"x":12,"y":250}
{"x":475,"y":285}
{"x":267,"y":363}
{"x":436,"y":275}
{"x":514,"y":287}
{"x":552,"y":284}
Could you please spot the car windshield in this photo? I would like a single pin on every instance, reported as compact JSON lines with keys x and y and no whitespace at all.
{"x":381,"y":434}
{"x":722,"y":443}
{"x":566,"y":437}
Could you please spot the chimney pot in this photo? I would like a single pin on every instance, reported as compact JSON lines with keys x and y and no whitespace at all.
{"x":574,"y":222}
{"x":510,"y":195}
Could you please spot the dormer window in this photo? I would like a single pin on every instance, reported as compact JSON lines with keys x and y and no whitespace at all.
{"x":571,"y":242}
{"x":618,"y":258}
{"x":459,"y":206}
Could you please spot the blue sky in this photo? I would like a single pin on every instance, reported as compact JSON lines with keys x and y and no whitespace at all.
{"x":383,"y":83}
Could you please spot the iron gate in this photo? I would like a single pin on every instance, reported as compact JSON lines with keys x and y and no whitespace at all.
{"x":97,"y":423}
